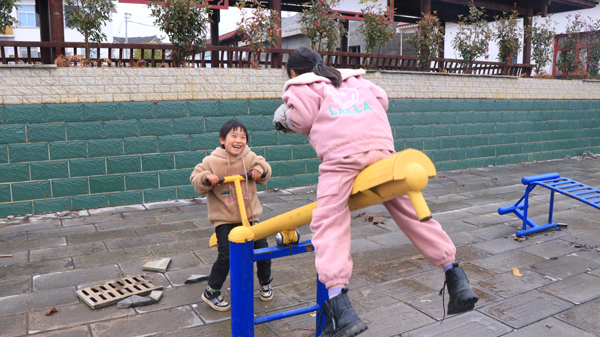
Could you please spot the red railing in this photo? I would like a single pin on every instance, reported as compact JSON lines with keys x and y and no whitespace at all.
{"x":156,"y":55}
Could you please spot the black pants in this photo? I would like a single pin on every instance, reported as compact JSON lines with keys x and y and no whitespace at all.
{"x":220,"y":269}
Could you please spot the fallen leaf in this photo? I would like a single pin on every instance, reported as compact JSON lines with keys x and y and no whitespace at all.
{"x":516,"y":272}
{"x":418,"y":258}
{"x":459,"y":184}
{"x":5,"y":255}
{"x":51,"y":311}
{"x":370,"y":218}
{"x":375,"y":222}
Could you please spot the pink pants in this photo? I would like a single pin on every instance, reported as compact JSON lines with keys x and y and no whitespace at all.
{"x":331,"y":220}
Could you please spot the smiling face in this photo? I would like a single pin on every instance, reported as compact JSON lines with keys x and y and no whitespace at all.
{"x":235,"y":142}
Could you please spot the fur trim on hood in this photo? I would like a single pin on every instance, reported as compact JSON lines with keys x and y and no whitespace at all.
{"x":310,"y":77}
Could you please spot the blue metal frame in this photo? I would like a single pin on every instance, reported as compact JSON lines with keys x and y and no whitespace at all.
{"x":554,"y":183}
{"x":241,"y":258}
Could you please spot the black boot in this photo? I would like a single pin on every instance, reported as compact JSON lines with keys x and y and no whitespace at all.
{"x":462,"y":296}
{"x":340,"y":318}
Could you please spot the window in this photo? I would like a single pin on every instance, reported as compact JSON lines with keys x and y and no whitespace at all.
{"x":27,"y":16}
{"x":354,"y":49}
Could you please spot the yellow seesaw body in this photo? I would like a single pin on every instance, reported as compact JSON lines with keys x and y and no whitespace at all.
{"x":406,"y":172}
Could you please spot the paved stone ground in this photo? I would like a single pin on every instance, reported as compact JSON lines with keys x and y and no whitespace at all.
{"x":393,"y":289}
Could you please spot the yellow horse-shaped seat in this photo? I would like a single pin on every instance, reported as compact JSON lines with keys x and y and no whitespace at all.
{"x":405,"y":172}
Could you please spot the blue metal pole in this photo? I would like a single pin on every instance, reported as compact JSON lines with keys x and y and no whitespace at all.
{"x":551,"y":206}
{"x":241,"y":259}
{"x":322,"y":296}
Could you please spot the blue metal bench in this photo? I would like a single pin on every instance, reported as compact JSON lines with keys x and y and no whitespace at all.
{"x":555,"y":183}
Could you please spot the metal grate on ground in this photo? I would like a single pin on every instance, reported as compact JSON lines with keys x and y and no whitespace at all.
{"x":100,"y":296}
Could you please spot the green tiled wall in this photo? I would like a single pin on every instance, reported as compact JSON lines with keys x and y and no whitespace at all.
{"x":61,"y":156}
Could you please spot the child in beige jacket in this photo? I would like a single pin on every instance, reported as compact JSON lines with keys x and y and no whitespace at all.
{"x":234,"y":157}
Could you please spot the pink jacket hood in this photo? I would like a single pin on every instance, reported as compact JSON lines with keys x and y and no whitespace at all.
{"x":339,"y":121}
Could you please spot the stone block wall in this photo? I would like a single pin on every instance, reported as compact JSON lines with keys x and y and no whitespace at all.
{"x":107,"y":149}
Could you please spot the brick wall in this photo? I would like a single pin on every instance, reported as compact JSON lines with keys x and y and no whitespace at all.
{"x":85,"y":155}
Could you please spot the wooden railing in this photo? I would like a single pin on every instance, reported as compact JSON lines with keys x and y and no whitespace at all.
{"x":159,"y":55}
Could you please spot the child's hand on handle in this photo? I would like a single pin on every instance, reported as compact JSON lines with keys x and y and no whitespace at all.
{"x":211,"y":179}
{"x":255,"y":174}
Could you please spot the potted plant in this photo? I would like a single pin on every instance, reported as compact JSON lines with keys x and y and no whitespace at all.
{"x":259,"y":30}
{"x":322,"y":25}
{"x":473,"y":36}
{"x":185,"y":22}
{"x":428,"y":40}
{"x":567,"y":59}
{"x":375,"y":29}
{"x":88,"y":17}
{"x":507,"y":34}
{"x":542,"y":35}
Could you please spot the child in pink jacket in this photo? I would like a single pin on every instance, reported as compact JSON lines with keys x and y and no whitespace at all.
{"x":344,"y":117}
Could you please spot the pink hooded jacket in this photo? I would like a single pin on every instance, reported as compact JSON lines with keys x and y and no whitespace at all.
{"x":339,"y":121}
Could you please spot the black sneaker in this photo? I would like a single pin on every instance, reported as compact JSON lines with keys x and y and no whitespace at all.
{"x":266,"y":292}
{"x":340,"y":318}
{"x":215,"y":300}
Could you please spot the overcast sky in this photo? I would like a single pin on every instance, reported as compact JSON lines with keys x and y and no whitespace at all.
{"x":142,"y":24}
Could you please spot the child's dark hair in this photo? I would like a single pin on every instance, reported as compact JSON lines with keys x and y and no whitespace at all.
{"x":231,"y":125}
{"x":304,"y":60}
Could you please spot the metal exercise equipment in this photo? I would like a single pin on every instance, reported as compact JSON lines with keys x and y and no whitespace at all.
{"x":553,"y":182}
{"x":406,"y":172}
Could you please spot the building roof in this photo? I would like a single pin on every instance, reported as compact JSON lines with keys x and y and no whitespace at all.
{"x":137,"y":39}
{"x":225,"y":36}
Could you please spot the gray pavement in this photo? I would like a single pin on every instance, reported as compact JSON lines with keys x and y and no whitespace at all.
{"x":393,"y":289}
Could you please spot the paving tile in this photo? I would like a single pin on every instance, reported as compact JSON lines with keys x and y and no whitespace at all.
{"x":586,"y":316}
{"x":117,"y":209}
{"x":565,"y":266}
{"x":66,"y":251}
{"x":15,"y":286}
{"x":168,"y":249}
{"x":16,"y":258}
{"x":155,"y":240}
{"x":10,"y":247}
{"x":507,"y":284}
{"x":86,"y":220}
{"x":489,"y":219}
{"x":431,"y":303}
{"x":21,"y":236}
{"x":472,"y":324}
{"x":36,"y":268}
{"x":150,"y":213}
{"x":15,"y":325}
{"x":550,"y":327}
{"x":29,"y":227}
{"x":149,"y":323}
{"x":64,"y":231}
{"x":500,"y":245}
{"x":178,"y":262}
{"x":389,"y":239}
{"x":194,"y":234}
{"x":494,"y":232}
{"x":374,"y":296}
{"x":177,"y":297}
{"x":111,"y":257}
{"x":504,"y":262}
{"x":80,"y":331}
{"x":576,"y":289}
{"x":100,"y":236}
{"x":176,"y":227}
{"x":126,"y":224}
{"x":526,"y":308}
{"x":392,"y":320}
{"x":74,"y":315}
{"x":185,"y":216}
{"x":387,"y":254}
{"x":383,"y":272}
{"x":221,"y":328}
{"x":550,"y":249}
{"x":75,"y":277}
{"x":37,"y":300}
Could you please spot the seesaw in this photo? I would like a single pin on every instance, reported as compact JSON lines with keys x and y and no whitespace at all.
{"x":406,"y":172}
